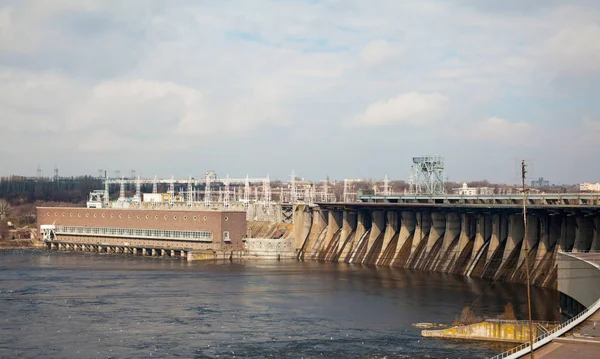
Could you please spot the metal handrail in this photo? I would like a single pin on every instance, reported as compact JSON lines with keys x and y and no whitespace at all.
{"x":492,"y":320}
{"x":548,"y":334}
{"x":554,"y":333}
{"x":542,"y":328}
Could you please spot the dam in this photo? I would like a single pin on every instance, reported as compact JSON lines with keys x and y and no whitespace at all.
{"x":473,"y":237}
{"x":474,"y":240}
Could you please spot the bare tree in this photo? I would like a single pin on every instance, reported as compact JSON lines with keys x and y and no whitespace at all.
{"x":4,"y":231}
{"x":467,"y":317}
{"x":4,"y":209}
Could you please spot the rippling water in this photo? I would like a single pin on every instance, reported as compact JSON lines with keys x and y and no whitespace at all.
{"x":74,"y":305}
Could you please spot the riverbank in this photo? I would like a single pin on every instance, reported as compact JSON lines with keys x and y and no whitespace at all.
{"x":18,"y":244}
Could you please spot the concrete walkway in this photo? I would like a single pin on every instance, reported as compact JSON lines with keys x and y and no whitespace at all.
{"x":579,"y":337}
{"x":584,"y":341}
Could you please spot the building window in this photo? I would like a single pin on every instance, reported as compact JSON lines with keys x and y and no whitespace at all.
{"x":175,"y":217}
{"x":87,"y":215}
{"x":48,"y":214}
{"x":226,"y":218}
{"x":95,"y":215}
{"x":185,"y":218}
{"x":120,"y":216}
{"x":226,"y":236}
{"x":195,"y":218}
{"x":63,"y":214}
{"x":197,"y":236}
{"x":103,"y":215}
{"x":165,"y":217}
{"x":147,"y":217}
{"x":79,"y":215}
{"x":204,"y":218}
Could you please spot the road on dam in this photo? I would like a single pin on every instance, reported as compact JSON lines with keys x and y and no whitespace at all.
{"x":75,"y":305}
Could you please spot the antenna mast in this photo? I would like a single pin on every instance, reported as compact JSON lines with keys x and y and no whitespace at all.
{"x":524,"y":190}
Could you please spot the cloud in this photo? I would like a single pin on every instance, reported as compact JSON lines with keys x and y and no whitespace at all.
{"x":591,"y":125}
{"x":34,"y":103}
{"x":412,"y":108}
{"x":146,"y":108}
{"x":185,"y":75}
{"x":377,"y":52}
{"x":497,"y":129}
{"x":575,"y":48}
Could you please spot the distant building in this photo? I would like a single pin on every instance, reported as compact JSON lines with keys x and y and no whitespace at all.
{"x":505,"y":191}
{"x":589,"y":187}
{"x":487,"y":191}
{"x":466,"y":190}
{"x":540,"y":182}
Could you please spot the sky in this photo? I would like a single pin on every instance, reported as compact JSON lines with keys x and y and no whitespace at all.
{"x":339,"y":88}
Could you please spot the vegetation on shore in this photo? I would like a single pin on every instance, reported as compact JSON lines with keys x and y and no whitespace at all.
{"x":468,"y":316}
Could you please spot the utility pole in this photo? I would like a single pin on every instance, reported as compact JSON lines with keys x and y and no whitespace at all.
{"x":524,"y":190}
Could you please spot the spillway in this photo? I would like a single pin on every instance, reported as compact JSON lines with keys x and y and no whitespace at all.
{"x":482,"y":241}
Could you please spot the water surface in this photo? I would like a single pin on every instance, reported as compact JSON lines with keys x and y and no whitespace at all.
{"x":75,"y":305}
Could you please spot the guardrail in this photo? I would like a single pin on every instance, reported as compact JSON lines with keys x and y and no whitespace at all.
{"x":546,"y":338}
{"x":584,"y":199}
{"x":521,"y":321}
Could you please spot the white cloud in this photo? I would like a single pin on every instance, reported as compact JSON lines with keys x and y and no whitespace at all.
{"x":576,"y":48}
{"x":499,"y":130}
{"x":591,"y":125}
{"x":34,"y":103}
{"x":377,"y":52}
{"x":411,"y":108}
{"x":184,"y":74}
{"x":139,"y":106}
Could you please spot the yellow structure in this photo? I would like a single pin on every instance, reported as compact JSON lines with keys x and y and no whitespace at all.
{"x":491,"y":330}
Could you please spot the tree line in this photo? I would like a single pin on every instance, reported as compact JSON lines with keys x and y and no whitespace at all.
{"x":29,"y":190}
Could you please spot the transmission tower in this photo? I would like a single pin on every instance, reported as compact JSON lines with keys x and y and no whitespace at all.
{"x":428,"y":176}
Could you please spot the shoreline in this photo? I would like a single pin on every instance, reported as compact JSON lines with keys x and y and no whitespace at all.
{"x":18,"y":244}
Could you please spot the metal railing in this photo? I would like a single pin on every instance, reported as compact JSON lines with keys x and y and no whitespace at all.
{"x":547,"y":337}
{"x":540,"y":322}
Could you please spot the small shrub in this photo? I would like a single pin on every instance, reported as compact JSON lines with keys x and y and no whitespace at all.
{"x":509,"y":312}
{"x":467,"y":317}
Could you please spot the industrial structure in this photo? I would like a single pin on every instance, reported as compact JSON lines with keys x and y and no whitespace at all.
{"x":474,"y":232}
{"x":139,"y":231}
{"x":210,"y":192}
{"x":428,"y":176}
{"x":475,"y":240}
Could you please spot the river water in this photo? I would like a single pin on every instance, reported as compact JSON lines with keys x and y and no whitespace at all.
{"x":76,"y":305}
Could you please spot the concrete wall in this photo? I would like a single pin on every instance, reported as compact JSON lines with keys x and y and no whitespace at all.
{"x":578,"y":279}
{"x":481,"y":243}
{"x":500,"y":331}
{"x":270,"y":248}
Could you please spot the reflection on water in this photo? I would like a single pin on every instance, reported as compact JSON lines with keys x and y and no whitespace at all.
{"x":73,"y":305}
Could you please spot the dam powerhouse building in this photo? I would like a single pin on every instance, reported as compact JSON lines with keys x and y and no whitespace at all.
{"x":166,"y":232}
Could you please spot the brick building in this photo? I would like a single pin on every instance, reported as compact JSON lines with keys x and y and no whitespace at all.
{"x":189,"y":229}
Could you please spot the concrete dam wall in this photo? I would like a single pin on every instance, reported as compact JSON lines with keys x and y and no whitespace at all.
{"x":476,"y":241}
